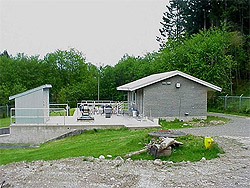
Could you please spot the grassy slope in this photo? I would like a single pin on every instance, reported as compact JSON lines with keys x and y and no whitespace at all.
{"x":104,"y":142}
{"x":114,"y":142}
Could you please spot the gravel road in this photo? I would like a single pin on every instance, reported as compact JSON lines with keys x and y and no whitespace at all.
{"x":232,"y":169}
{"x":237,"y":127}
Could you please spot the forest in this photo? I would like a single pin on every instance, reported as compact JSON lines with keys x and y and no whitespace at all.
{"x":207,"y":39}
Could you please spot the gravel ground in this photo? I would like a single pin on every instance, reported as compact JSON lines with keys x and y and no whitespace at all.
{"x":232,"y":169}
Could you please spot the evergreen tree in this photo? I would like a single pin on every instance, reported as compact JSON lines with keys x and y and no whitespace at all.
{"x":172,"y":23}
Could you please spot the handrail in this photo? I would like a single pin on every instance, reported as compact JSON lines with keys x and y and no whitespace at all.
{"x":36,"y":116}
{"x":66,"y":105}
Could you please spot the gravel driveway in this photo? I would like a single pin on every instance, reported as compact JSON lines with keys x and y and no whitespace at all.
{"x":237,"y":127}
{"x":232,"y":169}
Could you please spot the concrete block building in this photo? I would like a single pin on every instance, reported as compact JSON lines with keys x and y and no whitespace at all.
{"x":169,"y":95}
{"x":32,"y":106}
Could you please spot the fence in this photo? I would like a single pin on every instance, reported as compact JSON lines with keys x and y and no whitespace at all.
{"x":235,"y":103}
{"x":5,"y":110}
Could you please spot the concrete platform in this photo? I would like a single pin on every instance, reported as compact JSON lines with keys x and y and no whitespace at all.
{"x":100,"y":120}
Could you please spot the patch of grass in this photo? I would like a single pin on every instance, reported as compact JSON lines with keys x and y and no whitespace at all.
{"x":62,"y":112}
{"x":103,"y":142}
{"x":193,"y":149}
{"x":176,"y":124}
{"x":71,"y":111}
{"x":4,"y":122}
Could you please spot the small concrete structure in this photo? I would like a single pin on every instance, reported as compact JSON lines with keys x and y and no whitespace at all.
{"x":169,"y":95}
{"x":32,"y":106}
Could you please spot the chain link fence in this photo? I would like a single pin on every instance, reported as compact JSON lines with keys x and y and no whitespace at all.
{"x":235,"y":103}
{"x":5,"y":110}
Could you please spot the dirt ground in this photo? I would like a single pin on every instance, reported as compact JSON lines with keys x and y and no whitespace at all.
{"x":231,"y":169}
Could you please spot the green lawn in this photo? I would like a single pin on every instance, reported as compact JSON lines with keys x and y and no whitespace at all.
{"x":110,"y":141}
{"x":4,"y":122}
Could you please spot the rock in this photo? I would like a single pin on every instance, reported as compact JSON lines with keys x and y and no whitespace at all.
{"x":164,"y":162}
{"x":244,"y":147}
{"x":109,"y":156}
{"x":101,"y":157}
{"x":185,"y":124}
{"x":90,"y":158}
{"x":157,"y":162}
{"x":119,"y":158}
{"x":203,"y":159}
{"x":129,"y":160}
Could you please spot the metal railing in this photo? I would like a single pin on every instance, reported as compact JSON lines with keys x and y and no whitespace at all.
{"x":5,"y":110}
{"x":66,"y":107}
{"x":35,"y":115}
{"x":95,"y":107}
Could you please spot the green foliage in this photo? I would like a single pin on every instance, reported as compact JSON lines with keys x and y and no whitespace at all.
{"x":192,"y":16}
{"x":215,"y":55}
{"x":71,"y":77}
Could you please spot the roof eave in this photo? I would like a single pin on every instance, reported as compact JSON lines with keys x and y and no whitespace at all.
{"x":46,"y":86}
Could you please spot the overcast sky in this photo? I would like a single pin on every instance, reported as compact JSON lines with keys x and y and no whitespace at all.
{"x":104,"y":30}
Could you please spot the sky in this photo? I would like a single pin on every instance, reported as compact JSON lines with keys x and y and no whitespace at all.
{"x":103,"y":30}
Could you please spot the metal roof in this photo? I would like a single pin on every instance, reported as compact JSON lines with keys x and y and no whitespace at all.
{"x":30,"y":91}
{"x":154,"y":78}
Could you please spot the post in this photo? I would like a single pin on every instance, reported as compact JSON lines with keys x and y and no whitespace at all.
{"x":7,"y":110}
{"x":67,"y":110}
{"x":11,"y":116}
{"x":240,"y":101}
{"x":98,"y":97}
{"x":225,"y":102}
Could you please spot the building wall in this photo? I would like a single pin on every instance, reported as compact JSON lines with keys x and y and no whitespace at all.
{"x":139,"y":101}
{"x":46,"y":103}
{"x":169,"y":102}
{"x":38,"y":99}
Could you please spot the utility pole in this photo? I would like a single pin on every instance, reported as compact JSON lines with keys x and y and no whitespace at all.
{"x":98,"y":83}
{"x":98,"y":97}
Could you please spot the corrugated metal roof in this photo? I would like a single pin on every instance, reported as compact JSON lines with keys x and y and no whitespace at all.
{"x":154,"y":78}
{"x":30,"y":91}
